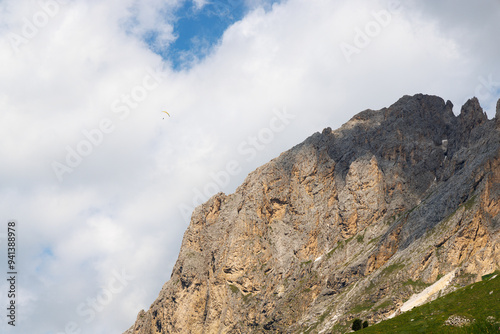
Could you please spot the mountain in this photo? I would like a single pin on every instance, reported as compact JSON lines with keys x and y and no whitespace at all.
{"x":471,"y":309}
{"x":350,"y":223}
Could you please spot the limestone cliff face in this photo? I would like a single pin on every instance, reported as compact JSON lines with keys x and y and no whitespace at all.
{"x":349,"y":223}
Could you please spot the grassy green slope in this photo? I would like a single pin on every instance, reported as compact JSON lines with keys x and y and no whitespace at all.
{"x":479,"y":302}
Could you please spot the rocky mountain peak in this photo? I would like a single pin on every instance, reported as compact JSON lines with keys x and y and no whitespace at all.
{"x":349,"y":223}
{"x":419,"y":103}
{"x":472,"y":114}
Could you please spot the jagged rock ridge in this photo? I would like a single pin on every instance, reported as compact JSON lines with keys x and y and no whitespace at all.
{"x":348,"y":223}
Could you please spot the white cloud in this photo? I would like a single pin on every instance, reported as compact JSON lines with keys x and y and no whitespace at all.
{"x":200,"y":3}
{"x":119,"y":207}
{"x":151,"y":17}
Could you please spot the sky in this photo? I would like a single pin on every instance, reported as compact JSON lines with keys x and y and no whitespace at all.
{"x":99,"y":183}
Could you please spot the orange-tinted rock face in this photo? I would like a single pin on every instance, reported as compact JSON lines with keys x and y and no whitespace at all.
{"x":352,"y":221}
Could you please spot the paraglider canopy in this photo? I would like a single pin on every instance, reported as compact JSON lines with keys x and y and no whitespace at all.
{"x":166,"y":113}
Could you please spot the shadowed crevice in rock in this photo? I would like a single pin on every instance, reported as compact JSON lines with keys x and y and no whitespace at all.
{"x":497,"y":114}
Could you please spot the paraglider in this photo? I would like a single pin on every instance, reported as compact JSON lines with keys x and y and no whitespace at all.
{"x":166,"y":113}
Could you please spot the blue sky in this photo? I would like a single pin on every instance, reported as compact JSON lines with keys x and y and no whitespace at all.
{"x":101,"y":182}
{"x":198,"y":29}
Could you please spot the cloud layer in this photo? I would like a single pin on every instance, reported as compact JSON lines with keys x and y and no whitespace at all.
{"x":101,"y":182}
